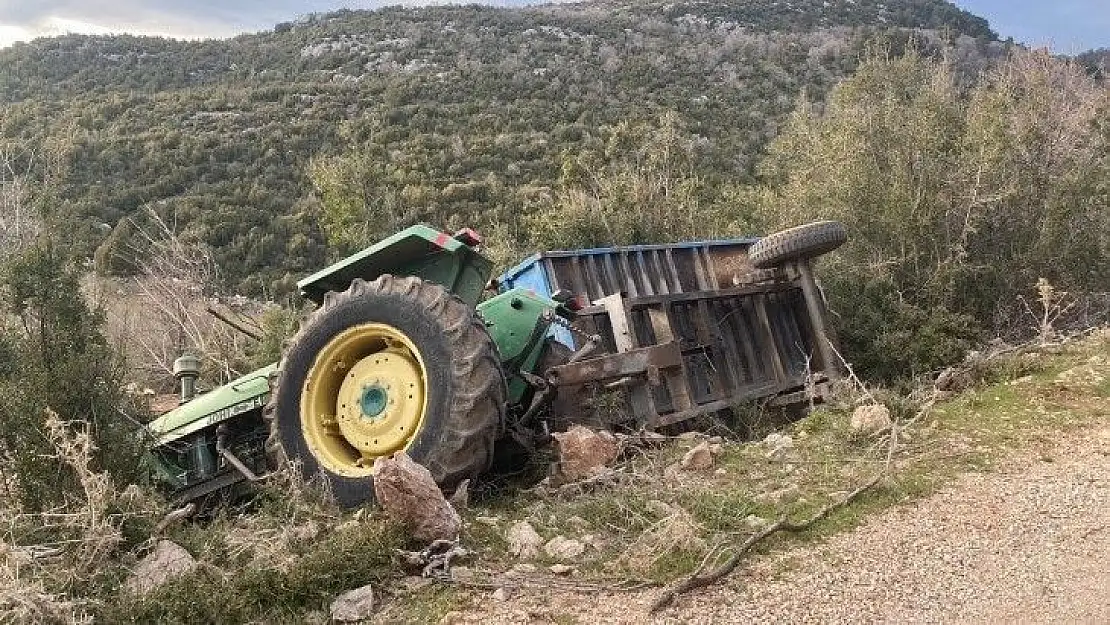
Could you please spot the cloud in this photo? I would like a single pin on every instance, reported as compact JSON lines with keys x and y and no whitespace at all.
{"x":22,"y":19}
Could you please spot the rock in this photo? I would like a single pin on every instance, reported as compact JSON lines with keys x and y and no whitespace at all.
{"x":461,"y":497}
{"x":578,"y":522}
{"x":780,"y":447}
{"x":501,"y":594}
{"x":691,"y":436}
{"x":560,"y":569}
{"x":408,"y":494}
{"x":524,"y":568}
{"x":353,"y":605}
{"x":584,"y":453}
{"x":169,"y":560}
{"x":699,"y":458}
{"x":487,"y":520}
{"x":870,"y":419}
{"x":716,"y":449}
{"x":755,"y":522}
{"x":716,"y":440}
{"x":720,"y":472}
{"x":562,"y":548}
{"x":523,"y":540}
{"x":781,"y":496}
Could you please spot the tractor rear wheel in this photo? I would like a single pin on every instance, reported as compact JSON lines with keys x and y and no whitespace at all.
{"x":800,"y":242}
{"x":389,"y":365}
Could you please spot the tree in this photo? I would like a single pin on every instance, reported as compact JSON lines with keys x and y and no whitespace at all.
{"x":640,"y":186}
{"x":54,"y":356}
{"x":957,"y":200}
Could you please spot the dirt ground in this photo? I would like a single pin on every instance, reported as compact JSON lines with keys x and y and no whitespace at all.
{"x":1029,"y":543}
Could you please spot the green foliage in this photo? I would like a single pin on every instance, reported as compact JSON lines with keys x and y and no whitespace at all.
{"x":53,"y":355}
{"x":641,"y":185}
{"x":355,"y":123}
{"x":279,"y":324}
{"x":957,"y":199}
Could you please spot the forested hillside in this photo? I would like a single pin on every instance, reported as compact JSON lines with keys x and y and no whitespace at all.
{"x":454,"y":115}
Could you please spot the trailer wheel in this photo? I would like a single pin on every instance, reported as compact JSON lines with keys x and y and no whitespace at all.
{"x":805,"y":241}
{"x":389,"y":365}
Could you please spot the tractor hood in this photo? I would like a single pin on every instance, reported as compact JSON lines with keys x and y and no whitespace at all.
{"x":247,"y":393}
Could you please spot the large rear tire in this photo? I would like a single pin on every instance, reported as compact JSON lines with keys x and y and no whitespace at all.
{"x":805,"y":241}
{"x":397,"y":363}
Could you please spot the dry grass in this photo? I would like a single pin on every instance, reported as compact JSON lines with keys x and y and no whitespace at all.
{"x":71,"y":544}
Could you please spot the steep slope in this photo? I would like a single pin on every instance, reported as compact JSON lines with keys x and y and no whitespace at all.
{"x":463,"y":106}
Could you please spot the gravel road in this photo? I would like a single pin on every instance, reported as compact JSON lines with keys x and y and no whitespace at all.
{"x":1027,"y":544}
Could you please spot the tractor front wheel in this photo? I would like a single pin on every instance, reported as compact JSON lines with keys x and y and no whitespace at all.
{"x":389,"y":365}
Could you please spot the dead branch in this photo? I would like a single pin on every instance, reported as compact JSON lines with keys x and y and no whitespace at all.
{"x":699,"y":579}
{"x":235,"y":325}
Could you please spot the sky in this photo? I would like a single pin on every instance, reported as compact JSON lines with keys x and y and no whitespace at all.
{"x":1067,"y":26}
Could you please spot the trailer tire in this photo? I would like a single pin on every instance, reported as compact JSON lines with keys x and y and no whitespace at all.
{"x":424,"y":328}
{"x":798,"y":243}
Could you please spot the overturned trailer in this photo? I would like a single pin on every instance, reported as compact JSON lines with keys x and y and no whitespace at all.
{"x":406,"y":352}
{"x":689,"y":329}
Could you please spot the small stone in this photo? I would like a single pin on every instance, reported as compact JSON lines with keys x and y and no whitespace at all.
{"x":699,"y":458}
{"x":716,"y":448}
{"x":781,"y":496}
{"x":169,"y":560}
{"x":560,"y":569}
{"x":755,"y":522}
{"x":578,"y":522}
{"x":353,"y":605}
{"x":523,"y":540}
{"x":870,"y":419}
{"x":720,"y":472}
{"x":780,"y":447}
{"x":775,"y":440}
{"x":716,"y":440}
{"x":524,"y":567}
{"x":501,"y":594}
{"x":562,"y":548}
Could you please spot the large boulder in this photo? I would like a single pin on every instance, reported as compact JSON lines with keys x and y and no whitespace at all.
{"x":584,"y":453}
{"x":169,"y":560}
{"x":408,"y":493}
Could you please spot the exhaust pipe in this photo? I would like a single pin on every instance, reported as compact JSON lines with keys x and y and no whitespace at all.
{"x":186,"y":370}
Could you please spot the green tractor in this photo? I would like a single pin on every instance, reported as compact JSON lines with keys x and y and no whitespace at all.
{"x":398,"y":355}
{"x":405,"y":351}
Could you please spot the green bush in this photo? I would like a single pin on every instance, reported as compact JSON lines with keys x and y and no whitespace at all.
{"x":957,"y":199}
{"x":53,"y":355}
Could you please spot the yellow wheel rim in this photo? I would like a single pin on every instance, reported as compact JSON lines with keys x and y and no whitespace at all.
{"x":363,"y":398}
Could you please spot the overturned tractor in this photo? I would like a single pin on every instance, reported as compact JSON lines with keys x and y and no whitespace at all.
{"x":408,"y":350}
